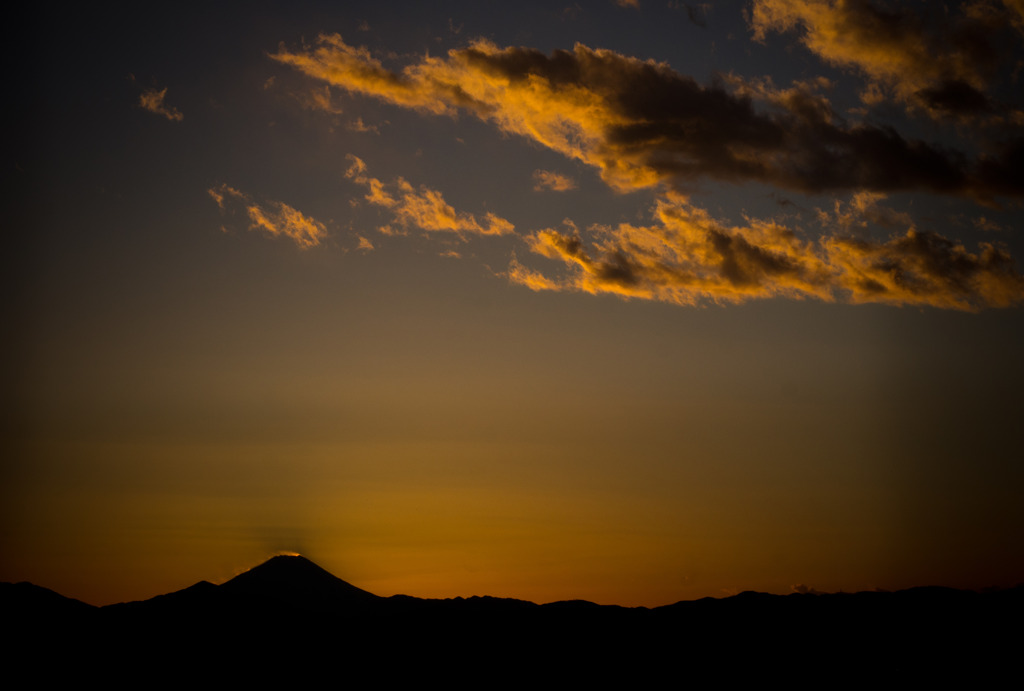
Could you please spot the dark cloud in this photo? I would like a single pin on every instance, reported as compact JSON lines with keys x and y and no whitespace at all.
{"x":954,"y":96}
{"x":1002,"y":173}
{"x":697,"y":14}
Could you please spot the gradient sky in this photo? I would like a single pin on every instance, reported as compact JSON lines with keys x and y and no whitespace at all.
{"x":633,"y":302}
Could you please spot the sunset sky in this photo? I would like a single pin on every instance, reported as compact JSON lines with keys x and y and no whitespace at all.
{"x":632,"y":302}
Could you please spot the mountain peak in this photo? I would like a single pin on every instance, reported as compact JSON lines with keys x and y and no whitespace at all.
{"x":296,"y":580}
{"x":290,"y":561}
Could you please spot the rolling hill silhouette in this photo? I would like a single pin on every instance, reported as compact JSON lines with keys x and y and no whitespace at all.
{"x":290,"y":609}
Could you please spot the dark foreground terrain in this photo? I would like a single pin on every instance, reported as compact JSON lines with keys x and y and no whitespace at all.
{"x":290,"y":621}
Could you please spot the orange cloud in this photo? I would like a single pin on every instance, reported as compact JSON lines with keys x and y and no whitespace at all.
{"x":153,"y":101}
{"x":534,"y":280}
{"x":550,"y":180}
{"x":219,"y":194}
{"x":562,"y":117}
{"x":943,"y":66}
{"x":640,"y":124}
{"x":687,"y":258}
{"x":921,"y":268}
{"x":355,"y":69}
{"x":422,"y":208}
{"x":274,"y":218}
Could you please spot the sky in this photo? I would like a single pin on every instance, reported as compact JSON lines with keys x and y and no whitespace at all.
{"x":633,"y":302}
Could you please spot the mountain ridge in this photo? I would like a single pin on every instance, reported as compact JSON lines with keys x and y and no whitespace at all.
{"x":290,"y":609}
{"x":296,"y":578}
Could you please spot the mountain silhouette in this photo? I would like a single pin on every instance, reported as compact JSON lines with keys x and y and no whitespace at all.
{"x":26,"y":599}
{"x":289,"y":614}
{"x":294,"y":581}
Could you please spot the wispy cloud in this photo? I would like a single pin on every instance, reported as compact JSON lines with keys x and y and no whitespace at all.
{"x":274,"y":218}
{"x":422,"y":207}
{"x":319,"y":99}
{"x":358,"y":125}
{"x":550,"y":180}
{"x":153,"y":101}
{"x":534,"y":280}
{"x":863,"y":209}
{"x":642,"y":124}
